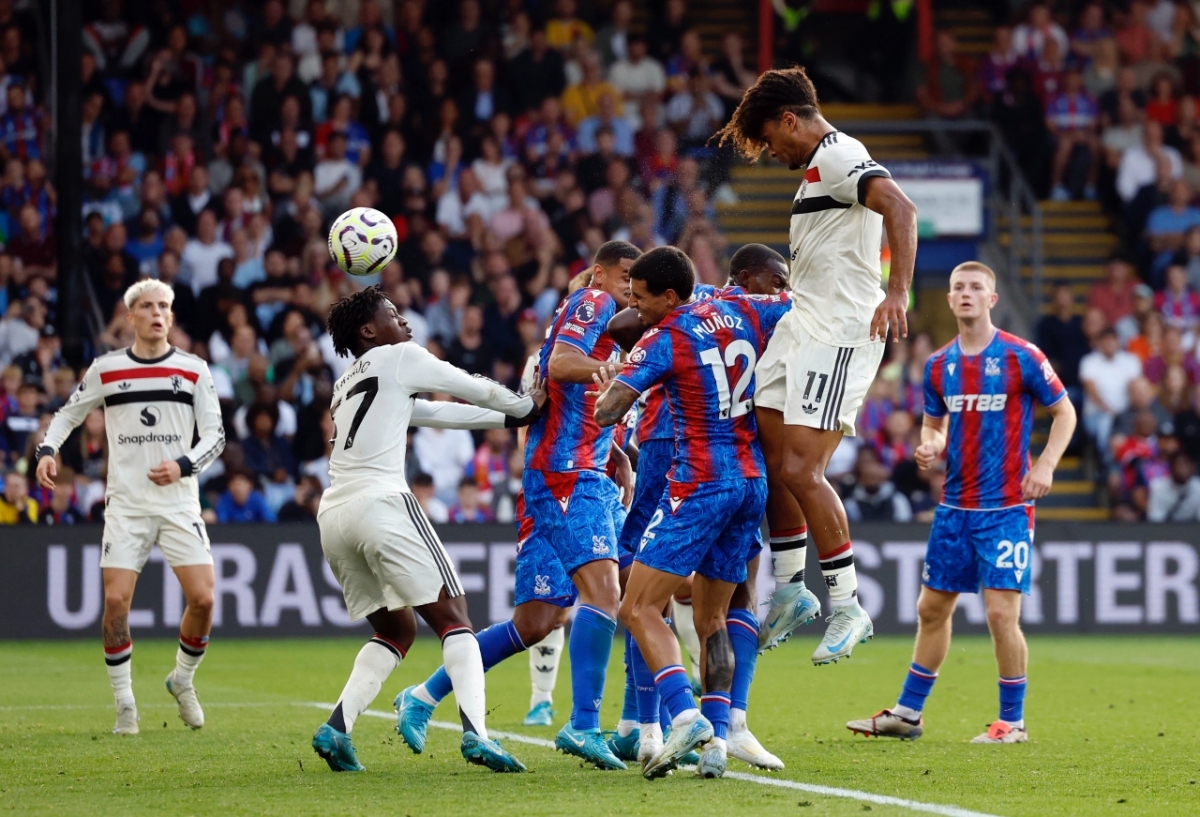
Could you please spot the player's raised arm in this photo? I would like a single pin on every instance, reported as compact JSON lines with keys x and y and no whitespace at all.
{"x":86,"y":397}
{"x":884,"y":196}
{"x":615,"y":400}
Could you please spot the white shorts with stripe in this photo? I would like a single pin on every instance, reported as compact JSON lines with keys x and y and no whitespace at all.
{"x":812,"y":383}
{"x":385,"y":553}
{"x":181,"y":536}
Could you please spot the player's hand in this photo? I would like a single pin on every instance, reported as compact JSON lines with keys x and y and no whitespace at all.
{"x":165,"y":473}
{"x":894,"y":312}
{"x":1037,"y":482}
{"x":538,"y":392}
{"x":47,"y":470}
{"x":927,"y":454}
{"x":624,"y":477}
{"x":602,"y":379}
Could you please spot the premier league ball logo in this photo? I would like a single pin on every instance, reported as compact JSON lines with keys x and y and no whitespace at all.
{"x":586,"y":313}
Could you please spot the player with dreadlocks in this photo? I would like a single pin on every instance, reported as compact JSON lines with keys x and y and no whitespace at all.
{"x":378,"y":541}
{"x":825,"y":352}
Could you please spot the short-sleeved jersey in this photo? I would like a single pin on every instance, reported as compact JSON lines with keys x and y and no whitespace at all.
{"x":704,"y":356}
{"x":835,"y":241}
{"x":990,"y":399}
{"x":654,"y":422}
{"x":566,"y":437}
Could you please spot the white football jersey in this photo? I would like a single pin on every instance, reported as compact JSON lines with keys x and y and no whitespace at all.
{"x":374,"y":403}
{"x":835,"y":243}
{"x":154,"y":410}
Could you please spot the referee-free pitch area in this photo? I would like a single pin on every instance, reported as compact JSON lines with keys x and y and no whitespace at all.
{"x":1112,"y":723}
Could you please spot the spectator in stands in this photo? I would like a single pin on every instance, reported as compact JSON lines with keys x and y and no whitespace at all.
{"x":21,"y":424}
{"x":731,"y":76}
{"x":1178,"y":302}
{"x":1142,"y":397}
{"x":1138,"y":460}
{"x":949,"y":90}
{"x":1172,"y":353}
{"x":875,"y":498}
{"x":469,"y":507}
{"x":64,"y":508}
{"x":336,"y":178}
{"x":1137,"y":329}
{"x":537,"y":73}
{"x":582,"y":99}
{"x":1071,"y":119}
{"x":1030,"y":38}
{"x":1105,"y":374}
{"x":1137,"y":42}
{"x":695,"y":113}
{"x":637,"y":74}
{"x":1175,"y":497}
{"x":1060,"y":337}
{"x":1113,"y":297}
{"x":1139,"y":166}
{"x":305,"y":501}
{"x":242,"y":502}
{"x":443,"y":454}
{"x":435,"y":509}
{"x":19,"y":329}
{"x":993,"y":69}
{"x":16,"y":508}
{"x":1167,"y":224}
{"x":34,"y":245}
{"x":267,"y":454}
{"x":606,"y":117}
{"x":266,"y":101}
{"x":1163,"y":104}
{"x":1176,"y":389}
{"x":202,"y":255}
{"x":39,"y":363}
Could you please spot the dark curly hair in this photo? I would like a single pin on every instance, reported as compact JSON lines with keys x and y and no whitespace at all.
{"x":780,"y":91}
{"x":349,"y":315}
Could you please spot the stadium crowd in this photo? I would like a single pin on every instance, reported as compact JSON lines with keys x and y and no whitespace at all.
{"x":1099,"y":101}
{"x":506,"y":143}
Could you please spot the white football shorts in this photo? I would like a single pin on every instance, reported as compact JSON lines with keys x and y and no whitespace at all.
{"x":181,"y":537}
{"x":812,"y":383}
{"x":385,"y":554}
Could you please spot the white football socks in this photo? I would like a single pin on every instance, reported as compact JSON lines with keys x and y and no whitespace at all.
{"x":119,"y":662}
{"x":374,"y":663}
{"x":544,"y":658}
{"x":789,"y":550}
{"x":188,"y":658}
{"x":464,"y":665}
{"x":685,"y":625}
{"x":840,"y":578}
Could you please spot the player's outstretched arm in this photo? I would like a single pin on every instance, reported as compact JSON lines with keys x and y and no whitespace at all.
{"x":86,"y":397}
{"x":440,"y":414}
{"x":1038,"y":481}
{"x":885,"y":197}
{"x":569,"y":365}
{"x":420,"y":371}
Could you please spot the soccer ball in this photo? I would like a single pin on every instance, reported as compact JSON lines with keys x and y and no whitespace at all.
{"x":362,"y":241}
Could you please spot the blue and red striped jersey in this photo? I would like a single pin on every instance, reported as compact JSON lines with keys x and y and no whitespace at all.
{"x":704,"y":356}
{"x":654,"y":423}
{"x":566,"y":437}
{"x":990,"y":399}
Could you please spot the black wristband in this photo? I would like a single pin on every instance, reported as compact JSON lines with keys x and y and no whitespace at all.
{"x":185,"y":467}
{"x":528,"y":419}
{"x":44,"y":451}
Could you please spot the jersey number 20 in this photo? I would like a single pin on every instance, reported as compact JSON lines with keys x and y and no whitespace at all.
{"x":735,"y":404}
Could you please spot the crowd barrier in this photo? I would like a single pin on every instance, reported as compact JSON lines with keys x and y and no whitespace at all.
{"x":272,"y":580}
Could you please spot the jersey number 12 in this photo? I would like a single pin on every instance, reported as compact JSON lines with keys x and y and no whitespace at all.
{"x":732,"y":404}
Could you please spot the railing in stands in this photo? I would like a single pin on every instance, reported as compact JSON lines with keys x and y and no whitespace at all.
{"x":1009,"y":199}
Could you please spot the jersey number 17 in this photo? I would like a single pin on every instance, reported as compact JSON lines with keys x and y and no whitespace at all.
{"x":369,"y":388}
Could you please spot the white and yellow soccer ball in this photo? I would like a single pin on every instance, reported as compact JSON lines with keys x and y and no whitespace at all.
{"x":362,"y":241}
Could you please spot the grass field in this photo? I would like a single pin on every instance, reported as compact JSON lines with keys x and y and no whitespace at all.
{"x":1112,"y":724}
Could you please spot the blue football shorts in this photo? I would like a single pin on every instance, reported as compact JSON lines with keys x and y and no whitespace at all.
{"x":654,"y":461}
{"x":574,"y":512}
{"x":969,"y":550}
{"x":710,"y":528}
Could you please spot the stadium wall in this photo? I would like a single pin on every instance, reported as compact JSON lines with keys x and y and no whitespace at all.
{"x":272,"y":581}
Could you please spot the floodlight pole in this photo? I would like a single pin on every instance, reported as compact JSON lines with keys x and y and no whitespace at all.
{"x":66,"y":27}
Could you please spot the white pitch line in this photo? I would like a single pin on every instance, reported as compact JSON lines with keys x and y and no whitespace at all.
{"x":811,"y":788}
{"x":207,"y":705}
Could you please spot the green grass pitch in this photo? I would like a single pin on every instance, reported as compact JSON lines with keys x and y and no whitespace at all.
{"x":1112,"y":722}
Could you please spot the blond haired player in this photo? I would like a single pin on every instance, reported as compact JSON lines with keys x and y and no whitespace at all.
{"x":156,"y":399}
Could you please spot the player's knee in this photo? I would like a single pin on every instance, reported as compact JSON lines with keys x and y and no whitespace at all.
{"x":801,"y":474}
{"x":1003,"y":619}
{"x":932,"y":612}
{"x":116,"y":604}
{"x":201,"y":603}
